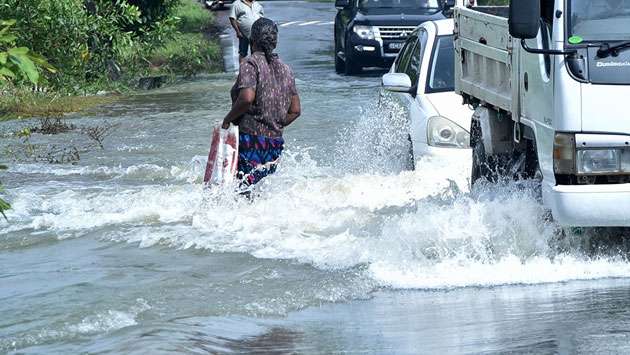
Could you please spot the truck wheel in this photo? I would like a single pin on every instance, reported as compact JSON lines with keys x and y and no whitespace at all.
{"x":484,"y":167}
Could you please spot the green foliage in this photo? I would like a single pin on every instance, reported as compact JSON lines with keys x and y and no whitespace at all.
{"x":18,"y":63}
{"x":4,"y":206}
{"x":91,"y":42}
{"x":82,"y":38}
{"x":193,"y":17}
{"x":188,"y":54}
{"x":18,"y":102}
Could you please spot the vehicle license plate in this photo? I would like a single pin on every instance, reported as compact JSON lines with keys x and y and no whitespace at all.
{"x":396,"y":45}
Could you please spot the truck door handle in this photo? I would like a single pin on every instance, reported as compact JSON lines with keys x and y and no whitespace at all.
{"x":526,"y":81}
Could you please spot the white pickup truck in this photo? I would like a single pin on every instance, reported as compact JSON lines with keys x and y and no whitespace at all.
{"x":550,"y":84}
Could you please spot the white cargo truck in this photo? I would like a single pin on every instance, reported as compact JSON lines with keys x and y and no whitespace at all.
{"x":550,"y":84}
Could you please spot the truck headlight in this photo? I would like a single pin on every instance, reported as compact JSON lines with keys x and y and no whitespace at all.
{"x":598,"y":161}
{"x":365,"y":32}
{"x":569,"y":159}
{"x":445,"y":133}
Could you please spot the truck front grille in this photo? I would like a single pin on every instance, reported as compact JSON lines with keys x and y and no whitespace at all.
{"x":395,"y":32}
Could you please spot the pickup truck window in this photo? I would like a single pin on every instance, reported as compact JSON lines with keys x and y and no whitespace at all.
{"x":600,"y":20}
{"x":415,"y":4}
{"x":442,"y":69}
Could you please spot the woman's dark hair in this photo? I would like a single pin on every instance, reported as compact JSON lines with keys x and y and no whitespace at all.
{"x":265,"y":36}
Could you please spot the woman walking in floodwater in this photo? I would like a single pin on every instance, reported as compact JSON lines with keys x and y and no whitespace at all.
{"x":265,"y":101}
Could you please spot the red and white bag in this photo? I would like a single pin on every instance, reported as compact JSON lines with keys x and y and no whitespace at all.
{"x":223,"y":157}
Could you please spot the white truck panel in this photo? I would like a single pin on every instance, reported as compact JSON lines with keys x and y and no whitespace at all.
{"x":484,"y":49}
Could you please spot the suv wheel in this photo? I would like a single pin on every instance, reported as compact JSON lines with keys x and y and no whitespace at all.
{"x":340,"y":66}
{"x":351,"y":67}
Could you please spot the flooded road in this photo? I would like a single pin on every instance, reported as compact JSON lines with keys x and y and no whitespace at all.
{"x":343,"y":250}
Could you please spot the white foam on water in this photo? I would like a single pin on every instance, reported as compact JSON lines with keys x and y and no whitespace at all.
{"x":109,"y":320}
{"x":144,"y":172}
{"x":420,"y":229}
{"x":100,"y":322}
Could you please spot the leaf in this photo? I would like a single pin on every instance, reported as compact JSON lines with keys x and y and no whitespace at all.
{"x":5,"y":72}
{"x":26,"y":66}
{"x":3,"y":207}
{"x":8,"y":39}
{"x":42,"y":62}
{"x":7,"y":23}
{"x":18,"y":51}
{"x":3,"y":58}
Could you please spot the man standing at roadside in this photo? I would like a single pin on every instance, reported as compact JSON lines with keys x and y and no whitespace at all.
{"x":243,"y":15}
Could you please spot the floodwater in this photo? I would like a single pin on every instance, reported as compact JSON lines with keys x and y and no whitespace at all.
{"x":342,"y":251}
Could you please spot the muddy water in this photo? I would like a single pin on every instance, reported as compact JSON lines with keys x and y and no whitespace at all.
{"x":342,"y":250}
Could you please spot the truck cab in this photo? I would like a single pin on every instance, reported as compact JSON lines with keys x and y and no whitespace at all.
{"x":549,"y":80}
{"x":370,"y":33}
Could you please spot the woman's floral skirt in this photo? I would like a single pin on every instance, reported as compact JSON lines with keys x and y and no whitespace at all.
{"x":258,"y":157}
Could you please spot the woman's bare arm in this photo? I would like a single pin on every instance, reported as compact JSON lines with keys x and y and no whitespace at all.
{"x":243,"y":103}
{"x":295,"y":110}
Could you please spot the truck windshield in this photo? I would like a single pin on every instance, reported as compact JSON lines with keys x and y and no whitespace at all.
{"x":442,"y":70}
{"x":600,"y":20}
{"x":413,"y":4}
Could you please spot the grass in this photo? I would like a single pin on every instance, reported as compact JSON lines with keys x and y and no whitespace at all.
{"x":188,"y":54}
{"x":193,"y":17}
{"x":21,"y":103}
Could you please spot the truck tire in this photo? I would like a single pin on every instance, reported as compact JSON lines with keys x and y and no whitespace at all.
{"x":484,"y":167}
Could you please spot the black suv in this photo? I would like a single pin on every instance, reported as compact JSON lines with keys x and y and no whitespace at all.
{"x":370,"y":33}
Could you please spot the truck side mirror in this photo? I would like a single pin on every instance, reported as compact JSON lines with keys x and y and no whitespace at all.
{"x":524,"y":18}
{"x":342,"y":3}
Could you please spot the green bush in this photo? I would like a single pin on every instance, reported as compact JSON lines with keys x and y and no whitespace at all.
{"x":86,"y":39}
{"x":18,"y":63}
{"x":91,"y":41}
{"x":56,"y":29}
{"x":193,"y":17}
{"x":188,"y":54}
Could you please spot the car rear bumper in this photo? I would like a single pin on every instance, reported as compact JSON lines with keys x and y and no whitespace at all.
{"x":589,"y":205}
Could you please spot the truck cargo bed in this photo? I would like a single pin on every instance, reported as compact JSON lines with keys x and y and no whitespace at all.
{"x":484,"y":57}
